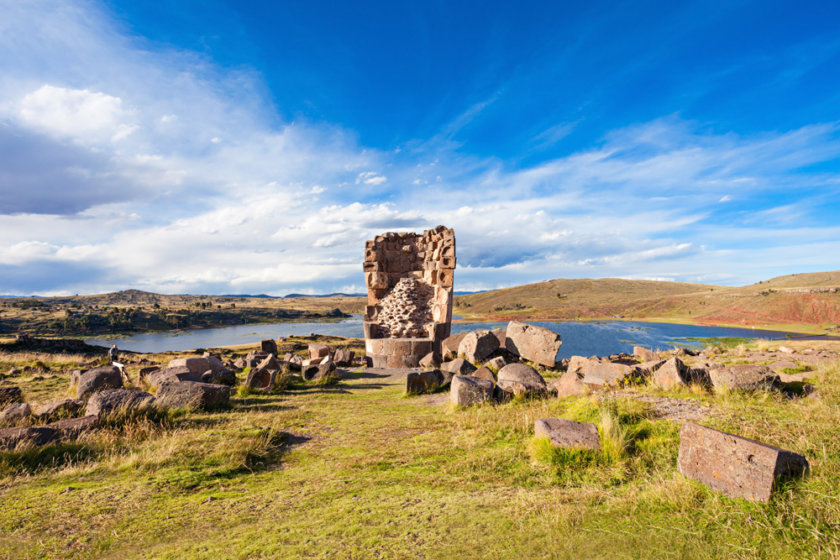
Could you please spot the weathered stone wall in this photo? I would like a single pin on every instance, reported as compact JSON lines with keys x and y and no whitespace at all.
{"x":409,"y":278}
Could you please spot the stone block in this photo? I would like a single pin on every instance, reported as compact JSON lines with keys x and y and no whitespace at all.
{"x":477,"y":346}
{"x":568,"y":433}
{"x":418,"y":383}
{"x":269,"y":346}
{"x":468,"y":391}
{"x":744,"y":378}
{"x":192,"y":395}
{"x":735,"y":466}
{"x":318,"y":351}
{"x":520,"y":379}
{"x":195,"y":365}
{"x":98,"y":379}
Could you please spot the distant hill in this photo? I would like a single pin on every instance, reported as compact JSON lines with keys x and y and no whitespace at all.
{"x":337,"y":294}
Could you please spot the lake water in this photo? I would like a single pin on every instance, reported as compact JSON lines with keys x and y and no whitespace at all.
{"x":579,"y":338}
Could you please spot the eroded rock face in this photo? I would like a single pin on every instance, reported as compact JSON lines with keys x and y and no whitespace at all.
{"x":189,"y":394}
{"x":533,"y":343}
{"x":744,"y":378}
{"x":520,"y":379}
{"x":418,"y":383}
{"x":98,"y":379}
{"x":568,"y":433}
{"x":468,"y":391}
{"x":735,"y":466}
{"x":477,"y":346}
{"x":117,"y":401}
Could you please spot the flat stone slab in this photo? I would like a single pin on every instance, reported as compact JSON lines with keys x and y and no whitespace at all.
{"x":568,"y":433}
{"x":735,"y":466}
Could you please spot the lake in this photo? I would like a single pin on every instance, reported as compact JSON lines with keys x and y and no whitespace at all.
{"x":583,"y":338}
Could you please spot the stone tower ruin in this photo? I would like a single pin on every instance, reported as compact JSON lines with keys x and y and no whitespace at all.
{"x":409,"y":279}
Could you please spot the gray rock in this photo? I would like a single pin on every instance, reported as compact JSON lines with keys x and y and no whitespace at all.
{"x":16,"y":412}
{"x":468,"y":391}
{"x":430,"y":360}
{"x":501,"y":337}
{"x":418,"y":383}
{"x":221,"y":377}
{"x":117,"y":401}
{"x":195,"y":365}
{"x":496,"y":363}
{"x":449,"y":346}
{"x":744,"y":378}
{"x":268,"y":346}
{"x":520,"y":379}
{"x":568,"y":433}
{"x":533,"y":343}
{"x":569,"y":384}
{"x":98,"y":379}
{"x":477,"y":346}
{"x":172,"y":375}
{"x":458,"y":366}
{"x":188,"y":394}
{"x":485,"y":372}
{"x":344,"y":357}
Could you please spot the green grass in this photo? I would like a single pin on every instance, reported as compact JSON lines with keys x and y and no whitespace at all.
{"x":354,"y":470}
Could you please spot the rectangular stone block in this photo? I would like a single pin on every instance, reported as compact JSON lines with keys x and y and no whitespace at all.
{"x":445,"y":278}
{"x":370,"y":266}
{"x":735,"y":466}
{"x":447,"y":262}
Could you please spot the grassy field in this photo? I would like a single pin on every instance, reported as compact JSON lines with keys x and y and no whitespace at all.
{"x":358,"y":470}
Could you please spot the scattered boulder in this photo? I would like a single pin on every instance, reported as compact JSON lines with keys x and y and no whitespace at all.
{"x":195,"y":365}
{"x":260,"y":378}
{"x":270,"y":363}
{"x":646,"y":369}
{"x":144,"y":372}
{"x":496,"y":363}
{"x":268,"y":346}
{"x":16,"y":412}
{"x":193,"y":395}
{"x":321,"y":370}
{"x":786,"y":350}
{"x":239,"y":363}
{"x":98,"y":379}
{"x":449,"y":346}
{"x":10,"y":394}
{"x":501,"y":337}
{"x":71,"y":428}
{"x":171,"y":375}
{"x":477,"y":346}
{"x":644,"y":354}
{"x":568,"y":433}
{"x":467,"y":390}
{"x":520,"y":379}
{"x":569,"y":384}
{"x":60,"y":408}
{"x":117,"y":401}
{"x":295,"y":362}
{"x":430,"y":360}
{"x":533,"y":343}
{"x":10,"y":438}
{"x":485,"y":372}
{"x":318,"y":351}
{"x":423,"y":382}
{"x":674,"y":372}
{"x":600,"y":374}
{"x":344,"y":357}
{"x":458,"y":366}
{"x":744,"y":378}
{"x":222,"y":377}
{"x":735,"y":466}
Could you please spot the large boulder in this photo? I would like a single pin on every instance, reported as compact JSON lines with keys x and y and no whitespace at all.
{"x":520,"y":379}
{"x":60,"y":408}
{"x":569,"y":384}
{"x":344,"y":357}
{"x":195,"y":365}
{"x":15,"y":413}
{"x":744,"y":378}
{"x":501,"y":337}
{"x":117,"y":401}
{"x":644,"y":354}
{"x":601,"y":373}
{"x":268,"y":346}
{"x":10,"y":394}
{"x":222,"y":377}
{"x":477,"y":346}
{"x":568,"y":433}
{"x":98,"y":379}
{"x":10,"y":438}
{"x":418,"y":383}
{"x":449,"y":346}
{"x":318,"y":351}
{"x":467,"y":390}
{"x":172,"y":375}
{"x":672,"y":373}
{"x":533,"y":343}
{"x":71,"y":428}
{"x":189,"y":394}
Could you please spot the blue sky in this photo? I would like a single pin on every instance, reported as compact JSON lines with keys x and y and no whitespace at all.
{"x":252,"y":147}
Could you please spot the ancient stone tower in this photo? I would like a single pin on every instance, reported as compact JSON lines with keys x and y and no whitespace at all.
{"x":409,"y":278}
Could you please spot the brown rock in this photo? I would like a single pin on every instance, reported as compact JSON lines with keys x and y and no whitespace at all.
{"x":430,"y":360}
{"x":569,"y":384}
{"x":735,"y":466}
{"x":520,"y":379}
{"x":458,"y":366}
{"x":10,"y":438}
{"x":672,"y":373}
{"x":318,"y":351}
{"x":485,"y":373}
{"x":568,"y":433}
{"x":172,"y":375}
{"x":468,"y":391}
{"x":418,"y":383}
{"x":501,"y":337}
{"x":98,"y":379}
{"x":189,"y":394}
{"x":644,"y":354}
{"x":344,"y":357}
{"x":117,"y":401}
{"x":60,"y":408}
{"x":533,"y":343}
{"x":10,"y":395}
{"x":449,"y":346}
{"x":195,"y":365}
{"x":71,"y":428}
{"x":496,"y":363}
{"x":260,"y":378}
{"x":598,"y":374}
{"x":14,"y":413}
{"x":268,"y":346}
